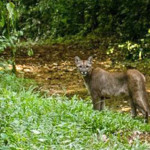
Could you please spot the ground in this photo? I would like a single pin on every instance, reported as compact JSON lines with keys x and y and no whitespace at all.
{"x":53,"y":68}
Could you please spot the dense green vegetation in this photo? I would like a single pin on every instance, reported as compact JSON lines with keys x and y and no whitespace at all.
{"x":69,"y":17}
{"x":29,"y":121}
{"x":124,"y":24}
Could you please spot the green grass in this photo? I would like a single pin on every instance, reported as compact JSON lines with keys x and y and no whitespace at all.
{"x":29,"y":121}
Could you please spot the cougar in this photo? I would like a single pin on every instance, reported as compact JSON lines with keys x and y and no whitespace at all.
{"x":102,"y":84}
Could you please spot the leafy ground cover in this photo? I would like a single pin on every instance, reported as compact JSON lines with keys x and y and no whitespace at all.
{"x":31,"y":121}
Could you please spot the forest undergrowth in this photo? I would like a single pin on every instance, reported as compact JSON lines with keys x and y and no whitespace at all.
{"x":31,"y":121}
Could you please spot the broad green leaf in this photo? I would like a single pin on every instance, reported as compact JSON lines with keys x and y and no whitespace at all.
{"x":10,"y":7}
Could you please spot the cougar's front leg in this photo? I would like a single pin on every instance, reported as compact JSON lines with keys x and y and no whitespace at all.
{"x":102,"y":103}
{"x":95,"y":101}
{"x":98,"y":102}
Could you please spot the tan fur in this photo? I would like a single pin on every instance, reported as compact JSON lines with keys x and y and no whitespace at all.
{"x":102,"y":84}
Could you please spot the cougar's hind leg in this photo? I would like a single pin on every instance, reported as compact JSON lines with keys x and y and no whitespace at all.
{"x":146,"y":117}
{"x":145,"y":113}
{"x":133,"y":109}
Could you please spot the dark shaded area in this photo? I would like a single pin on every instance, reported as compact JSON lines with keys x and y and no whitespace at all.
{"x":128,"y":20}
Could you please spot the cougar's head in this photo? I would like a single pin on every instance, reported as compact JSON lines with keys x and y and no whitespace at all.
{"x":84,"y":66}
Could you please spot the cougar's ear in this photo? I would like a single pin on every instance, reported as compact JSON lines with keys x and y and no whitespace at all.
{"x":77,"y":59}
{"x":90,"y":59}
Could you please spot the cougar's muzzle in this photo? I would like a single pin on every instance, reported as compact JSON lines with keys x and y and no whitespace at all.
{"x":84,"y":73}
